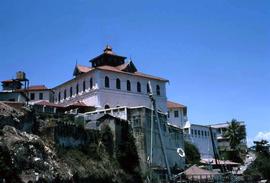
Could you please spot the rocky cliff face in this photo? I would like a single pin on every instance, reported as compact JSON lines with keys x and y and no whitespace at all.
{"x":25,"y":157}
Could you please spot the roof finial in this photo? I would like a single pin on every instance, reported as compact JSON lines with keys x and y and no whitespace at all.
{"x":108,"y":49}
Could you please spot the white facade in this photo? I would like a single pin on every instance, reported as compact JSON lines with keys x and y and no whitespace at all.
{"x":177,"y":114}
{"x":40,"y":95}
{"x":93,"y":92}
{"x":200,"y":136}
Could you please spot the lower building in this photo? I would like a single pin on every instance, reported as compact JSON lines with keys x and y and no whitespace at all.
{"x":13,"y":97}
{"x":177,"y":114}
{"x":223,"y":142}
{"x":200,"y":136}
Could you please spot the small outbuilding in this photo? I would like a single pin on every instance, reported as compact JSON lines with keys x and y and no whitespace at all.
{"x":196,"y":173}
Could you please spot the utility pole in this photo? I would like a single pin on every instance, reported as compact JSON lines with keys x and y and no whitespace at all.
{"x":151,"y":96}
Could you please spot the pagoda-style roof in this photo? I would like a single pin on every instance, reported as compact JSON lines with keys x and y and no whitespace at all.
{"x":108,"y":57}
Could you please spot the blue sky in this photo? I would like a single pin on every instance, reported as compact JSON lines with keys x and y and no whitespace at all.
{"x":215,"y":53}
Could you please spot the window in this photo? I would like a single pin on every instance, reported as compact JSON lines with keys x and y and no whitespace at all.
{"x":107,"y":107}
{"x":118,"y":84}
{"x":91,"y":83}
{"x":128,"y":85}
{"x":65,"y":94}
{"x":84,"y":86}
{"x":148,"y":88}
{"x":59,"y":96}
{"x":205,"y":133}
{"x":195,"y":132}
{"x":158,"y":89}
{"x":70,"y":92}
{"x":40,"y":96}
{"x":32,"y":96}
{"x":199,"y":132}
{"x":176,"y":114}
{"x":192,"y":131}
{"x":77,"y":89}
{"x":168,"y":115}
{"x":139,"y":87}
{"x":107,"y":82}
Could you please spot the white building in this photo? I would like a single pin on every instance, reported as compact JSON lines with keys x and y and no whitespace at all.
{"x":223,"y":142}
{"x":177,"y":114}
{"x":200,"y":136}
{"x":111,"y":82}
{"x":38,"y":93}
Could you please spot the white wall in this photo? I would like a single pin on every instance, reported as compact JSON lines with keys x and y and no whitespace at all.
{"x":99,"y":96}
{"x":202,"y":142}
{"x":177,"y":121}
{"x":47,"y":95}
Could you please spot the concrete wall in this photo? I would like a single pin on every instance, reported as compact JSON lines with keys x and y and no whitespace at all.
{"x":203,"y":141}
{"x":173,"y":138}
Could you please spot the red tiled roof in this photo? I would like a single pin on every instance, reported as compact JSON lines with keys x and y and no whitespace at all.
{"x":7,"y":81}
{"x":34,"y":88}
{"x":37,"y":87}
{"x":83,"y":69}
{"x":194,"y":170}
{"x":221,"y":162}
{"x":49,"y":104}
{"x":122,"y":67}
{"x":116,"y":69}
{"x":171,"y":105}
{"x":78,"y":104}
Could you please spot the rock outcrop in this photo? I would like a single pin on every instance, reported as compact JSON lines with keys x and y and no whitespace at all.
{"x":28,"y":158}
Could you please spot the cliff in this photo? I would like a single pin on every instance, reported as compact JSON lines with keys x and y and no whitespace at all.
{"x":29,"y":153}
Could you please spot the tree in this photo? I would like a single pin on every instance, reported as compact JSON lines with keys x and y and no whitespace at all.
{"x":259,"y":169}
{"x":262,"y":147}
{"x":235,"y":133}
{"x":192,"y":153}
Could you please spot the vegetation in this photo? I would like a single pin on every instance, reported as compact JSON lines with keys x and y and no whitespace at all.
{"x":192,"y":153}
{"x":127,"y":155}
{"x":107,"y":140}
{"x":104,"y":160}
{"x":235,"y":133}
{"x":259,"y":169}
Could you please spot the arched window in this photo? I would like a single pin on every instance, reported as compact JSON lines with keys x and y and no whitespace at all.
{"x":77,"y":89}
{"x":65,"y":94}
{"x":107,"y":82}
{"x":148,"y":88}
{"x":59,"y":96}
{"x":118,"y":84}
{"x":128,"y":85}
{"x":91,"y":83}
{"x":158,"y":90}
{"x":70,"y":92}
{"x":139,"y":87}
{"x":84,"y":86}
{"x":107,"y":107}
